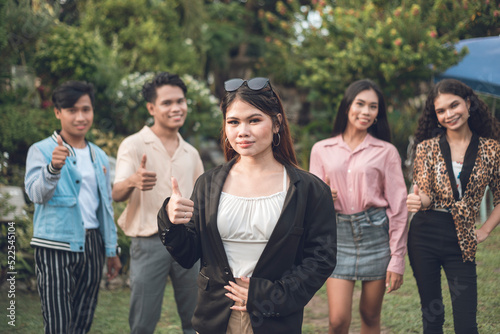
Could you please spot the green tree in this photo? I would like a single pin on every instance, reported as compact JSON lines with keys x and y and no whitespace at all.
{"x":21,"y":126}
{"x":67,"y":52}
{"x":71,"y":53}
{"x":21,"y":25}
{"x":148,"y":35}
{"x":466,"y":18}
{"x":3,"y":31}
{"x":236,"y":37}
{"x":327,"y":45}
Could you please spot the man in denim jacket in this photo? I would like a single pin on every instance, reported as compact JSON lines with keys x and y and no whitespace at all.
{"x":67,"y":178}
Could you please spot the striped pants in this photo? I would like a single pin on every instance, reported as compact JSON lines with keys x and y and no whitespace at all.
{"x":68,"y":284}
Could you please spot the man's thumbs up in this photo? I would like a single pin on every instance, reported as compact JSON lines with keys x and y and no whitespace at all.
{"x":334,"y":191}
{"x":415,"y":189}
{"x":59,"y":154}
{"x":179,"y":209}
{"x":175,"y":187}
{"x":143,"y":161}
{"x":144,"y":179}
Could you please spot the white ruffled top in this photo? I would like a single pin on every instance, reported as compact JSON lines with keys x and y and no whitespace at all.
{"x":245,"y":225}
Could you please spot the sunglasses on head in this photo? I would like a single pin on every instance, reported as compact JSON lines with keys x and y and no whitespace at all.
{"x":254,"y":84}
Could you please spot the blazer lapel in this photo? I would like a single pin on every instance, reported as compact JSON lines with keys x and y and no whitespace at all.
{"x":446,"y":152}
{"x":213,"y":207}
{"x":285,"y":222}
{"x":469,"y":161}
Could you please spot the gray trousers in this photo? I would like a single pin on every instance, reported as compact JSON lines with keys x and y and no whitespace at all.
{"x":150,"y":265}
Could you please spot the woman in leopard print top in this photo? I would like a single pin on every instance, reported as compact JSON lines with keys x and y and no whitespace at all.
{"x":457,"y":156}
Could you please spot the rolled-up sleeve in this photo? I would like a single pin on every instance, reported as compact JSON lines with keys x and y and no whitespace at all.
{"x":126,"y":161}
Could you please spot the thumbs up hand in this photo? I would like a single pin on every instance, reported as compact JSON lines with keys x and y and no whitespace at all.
{"x":143,"y":161}
{"x":413,"y":201}
{"x":179,"y":209}
{"x":59,"y":154}
{"x":334,"y":191}
{"x":144,"y":179}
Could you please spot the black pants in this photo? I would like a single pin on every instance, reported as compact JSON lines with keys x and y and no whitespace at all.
{"x":432,"y":244}
{"x":68,"y":284}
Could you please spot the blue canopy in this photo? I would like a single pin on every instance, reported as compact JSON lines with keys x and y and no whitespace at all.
{"x":480,"y":68}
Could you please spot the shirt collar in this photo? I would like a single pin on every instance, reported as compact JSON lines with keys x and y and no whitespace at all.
{"x":150,"y":137}
{"x":372,"y":141}
{"x":368,"y":141}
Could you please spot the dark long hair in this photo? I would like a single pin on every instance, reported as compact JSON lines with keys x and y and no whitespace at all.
{"x":267,"y":101}
{"x":379,"y":129}
{"x":481,"y":121}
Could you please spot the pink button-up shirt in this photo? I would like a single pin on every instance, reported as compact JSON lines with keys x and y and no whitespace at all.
{"x":369,"y":176}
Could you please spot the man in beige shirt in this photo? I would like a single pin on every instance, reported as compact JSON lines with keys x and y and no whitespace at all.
{"x":146,"y":161}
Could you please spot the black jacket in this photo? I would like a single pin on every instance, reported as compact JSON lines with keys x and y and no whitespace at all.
{"x":299,"y":257}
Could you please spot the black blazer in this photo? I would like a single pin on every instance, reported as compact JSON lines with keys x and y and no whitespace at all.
{"x":297,"y":260}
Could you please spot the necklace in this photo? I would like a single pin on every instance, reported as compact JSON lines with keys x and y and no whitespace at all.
{"x":458,"y":151}
{"x":458,"y":147}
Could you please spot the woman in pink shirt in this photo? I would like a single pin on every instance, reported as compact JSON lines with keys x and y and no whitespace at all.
{"x":363,"y":170}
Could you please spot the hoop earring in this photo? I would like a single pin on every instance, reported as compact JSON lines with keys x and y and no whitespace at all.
{"x":279,"y":140}
{"x":375,"y":121}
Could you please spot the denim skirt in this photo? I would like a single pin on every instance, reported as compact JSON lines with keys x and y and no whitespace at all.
{"x":363,"y":251}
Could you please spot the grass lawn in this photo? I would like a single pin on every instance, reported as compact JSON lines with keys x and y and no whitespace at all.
{"x":401,"y":312}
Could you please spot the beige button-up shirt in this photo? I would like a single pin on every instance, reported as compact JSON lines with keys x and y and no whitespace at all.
{"x":139,"y":217}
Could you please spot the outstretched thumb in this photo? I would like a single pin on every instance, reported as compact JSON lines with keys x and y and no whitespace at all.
{"x":327,"y":180}
{"x":59,"y":140}
{"x":143,"y":161}
{"x":415,"y":189}
{"x":175,"y":187}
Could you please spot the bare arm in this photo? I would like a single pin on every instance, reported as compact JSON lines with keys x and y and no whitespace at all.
{"x":122,"y":190}
{"x":489,"y":225}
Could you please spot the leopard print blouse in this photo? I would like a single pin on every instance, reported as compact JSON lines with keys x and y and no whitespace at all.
{"x":430,"y":173}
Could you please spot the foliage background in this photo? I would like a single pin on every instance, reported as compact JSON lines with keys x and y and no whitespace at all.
{"x":311,"y":49}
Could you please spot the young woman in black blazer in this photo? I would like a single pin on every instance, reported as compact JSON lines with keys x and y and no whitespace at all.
{"x":263,"y":228}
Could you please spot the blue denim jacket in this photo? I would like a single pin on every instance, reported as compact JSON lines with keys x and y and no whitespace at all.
{"x":58,"y":221}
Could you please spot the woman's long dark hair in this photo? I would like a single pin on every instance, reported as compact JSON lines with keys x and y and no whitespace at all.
{"x":267,"y":101}
{"x":481,"y":121}
{"x":379,"y":129}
